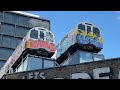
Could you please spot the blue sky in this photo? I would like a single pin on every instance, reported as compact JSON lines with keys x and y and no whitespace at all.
{"x":108,"y":22}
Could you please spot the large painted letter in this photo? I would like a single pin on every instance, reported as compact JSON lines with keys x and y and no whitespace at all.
{"x":81,"y":76}
{"x":102,"y":73}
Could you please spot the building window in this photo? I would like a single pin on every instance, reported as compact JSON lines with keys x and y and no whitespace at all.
{"x":5,"y":53}
{"x":2,"y":62}
{"x":98,"y":57}
{"x":66,"y":62}
{"x":48,"y":63}
{"x":39,"y":23}
{"x":0,"y":40}
{"x":85,"y":57}
{"x":6,"y":41}
{"x":74,"y":59}
{"x":34,"y":63}
{"x":20,"y":68}
{"x":21,"y":32}
{"x":22,"y":20}
{"x":13,"y":42}
{"x":8,"y":29}
{"x":1,"y":16}
{"x":18,"y":41}
{"x":10,"y":18}
{"x":25,"y":64}
{"x":10,"y":42}
{"x":16,"y":19}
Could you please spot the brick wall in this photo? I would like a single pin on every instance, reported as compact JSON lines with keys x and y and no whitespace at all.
{"x":67,"y":71}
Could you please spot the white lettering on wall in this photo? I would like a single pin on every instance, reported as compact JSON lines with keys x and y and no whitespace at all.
{"x":42,"y":75}
{"x":102,"y":73}
{"x":119,"y":75}
{"x":34,"y":75}
{"x":81,"y":76}
{"x":30,"y":76}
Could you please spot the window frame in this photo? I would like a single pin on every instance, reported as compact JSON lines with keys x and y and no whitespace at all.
{"x":37,"y":34}
{"x":97,"y":32}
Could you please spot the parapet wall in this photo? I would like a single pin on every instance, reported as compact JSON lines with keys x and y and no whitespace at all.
{"x":106,"y":69}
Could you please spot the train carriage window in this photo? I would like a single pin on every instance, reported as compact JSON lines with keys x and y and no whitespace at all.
{"x":96,"y":31}
{"x":34,"y":34}
{"x":49,"y":37}
{"x":88,"y":29}
{"x":41,"y":35}
{"x":81,"y":27}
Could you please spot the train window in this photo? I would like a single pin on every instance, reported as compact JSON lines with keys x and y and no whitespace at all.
{"x":41,"y":35}
{"x":88,"y":29}
{"x":96,"y":31}
{"x":34,"y":34}
{"x":85,"y":57}
{"x":49,"y":37}
{"x":81,"y":26}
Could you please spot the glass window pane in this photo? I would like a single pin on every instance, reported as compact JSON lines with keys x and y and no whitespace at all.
{"x":41,"y":35}
{"x":96,"y":31}
{"x":48,"y":63}
{"x":74,"y":59}
{"x":1,"y":16}
{"x":10,"y":18}
{"x":6,"y":41}
{"x":5,"y":53}
{"x":20,"y":68}
{"x":13,"y":42}
{"x":85,"y":57}
{"x":81,"y":27}
{"x":21,"y":32}
{"x":10,"y":42}
{"x":0,"y":40}
{"x":34,"y":63}
{"x":22,"y":20}
{"x":98,"y":57}
{"x":88,"y":29}
{"x":38,"y":23}
{"x":25,"y":64}
{"x":66,"y":62}
{"x":7,"y":29}
{"x":34,"y":34}
{"x":2,"y":62}
{"x":18,"y":41}
{"x":49,"y":37}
